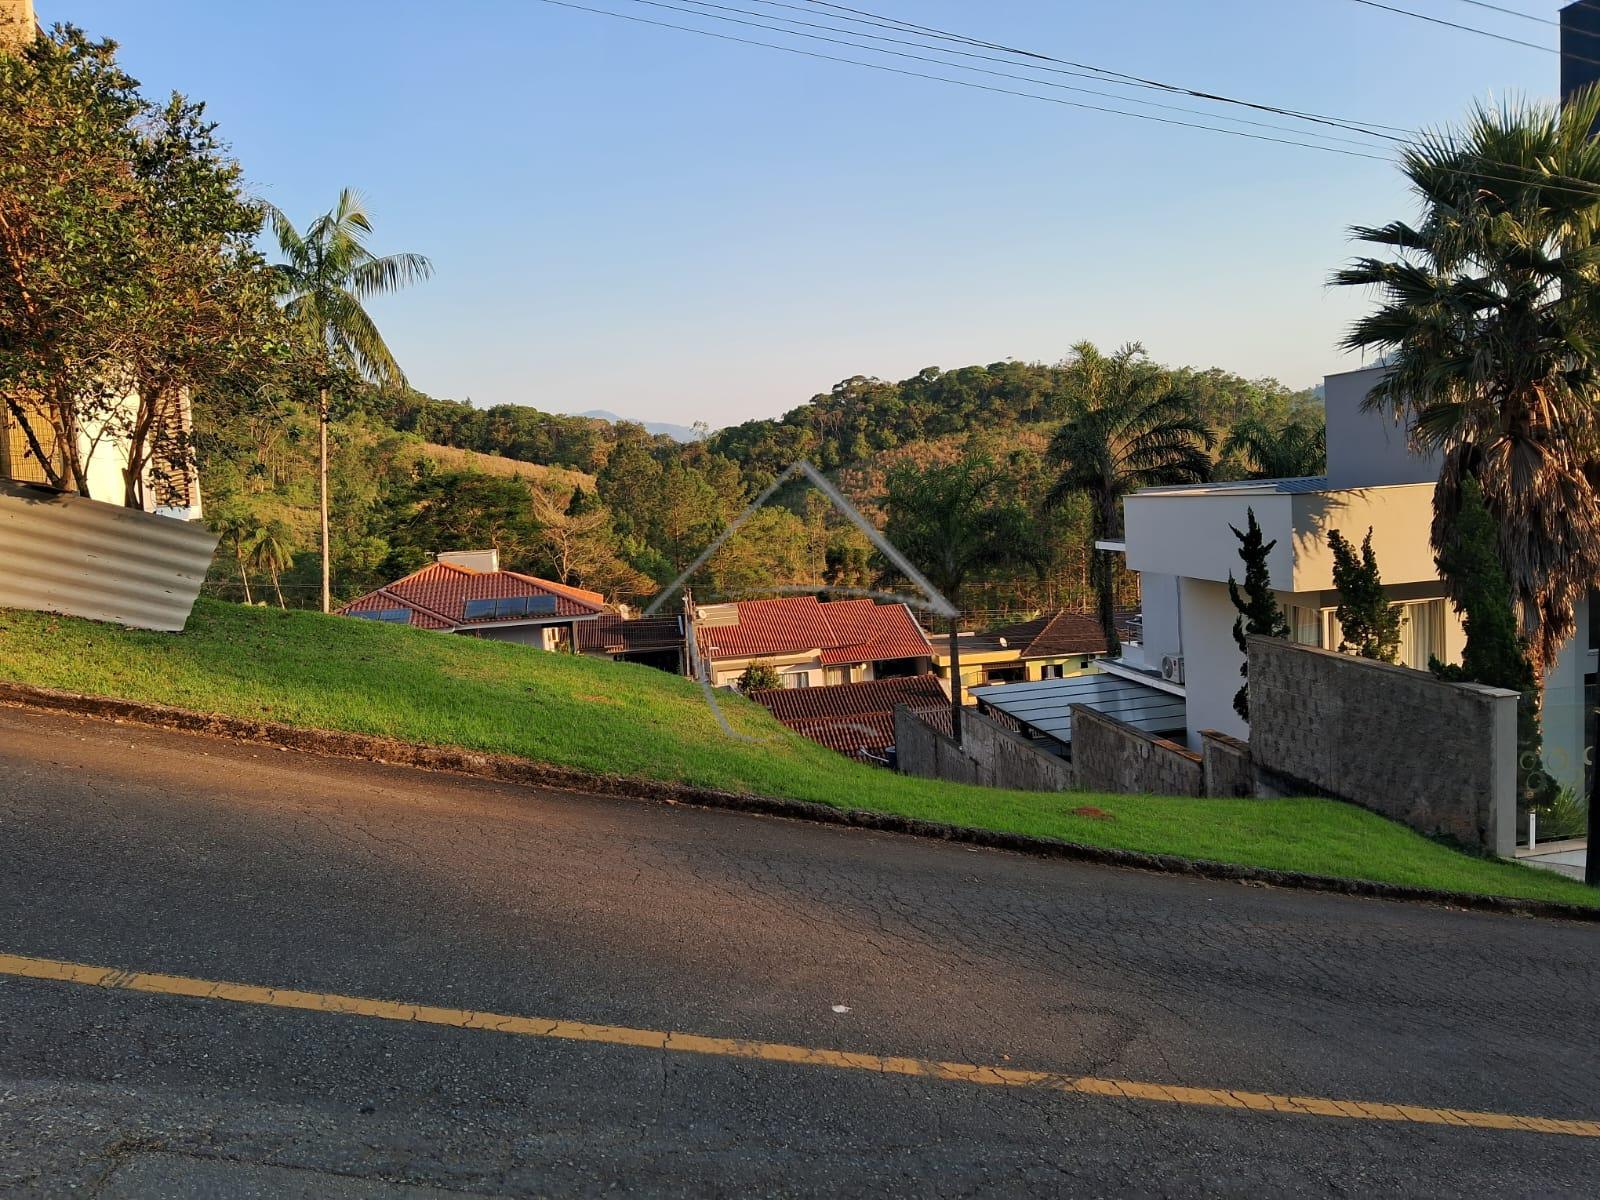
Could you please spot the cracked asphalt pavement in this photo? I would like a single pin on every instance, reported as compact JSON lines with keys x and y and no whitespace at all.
{"x":153,"y":851}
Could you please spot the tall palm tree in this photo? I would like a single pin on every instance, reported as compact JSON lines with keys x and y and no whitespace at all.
{"x":1128,"y":428}
{"x":326,"y":275}
{"x":1488,"y":316}
{"x":1289,"y":451}
{"x":270,"y":551}
{"x":954,"y":522}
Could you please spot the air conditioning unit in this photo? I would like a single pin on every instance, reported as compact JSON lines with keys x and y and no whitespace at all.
{"x":1172,"y":668}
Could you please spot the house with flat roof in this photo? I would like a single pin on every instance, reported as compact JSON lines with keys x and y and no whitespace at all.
{"x":810,"y":643}
{"x":466,"y":592}
{"x":1179,"y":541}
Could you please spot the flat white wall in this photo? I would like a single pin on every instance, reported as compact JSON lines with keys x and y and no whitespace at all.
{"x":1191,"y":533}
{"x":1158,"y":603}
{"x":1368,"y":448}
{"x":1211,"y":660}
{"x":1188,"y":533}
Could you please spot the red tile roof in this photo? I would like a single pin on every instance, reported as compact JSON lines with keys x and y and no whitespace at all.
{"x":851,"y":699}
{"x":843,"y":631}
{"x":437,"y":596}
{"x":853,"y":718}
{"x":1054,"y":635}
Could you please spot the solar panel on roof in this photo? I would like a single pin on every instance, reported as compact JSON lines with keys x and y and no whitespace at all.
{"x":395,"y":616}
{"x":476,"y":610}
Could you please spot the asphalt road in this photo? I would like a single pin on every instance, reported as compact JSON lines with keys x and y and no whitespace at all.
{"x":130,"y":848}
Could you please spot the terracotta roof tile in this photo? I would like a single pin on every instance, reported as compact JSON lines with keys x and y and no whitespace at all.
{"x":844,"y":631}
{"x":851,"y":699}
{"x":442,"y":591}
{"x":853,"y":718}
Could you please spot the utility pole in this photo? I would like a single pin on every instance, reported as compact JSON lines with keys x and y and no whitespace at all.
{"x":1580,"y":67}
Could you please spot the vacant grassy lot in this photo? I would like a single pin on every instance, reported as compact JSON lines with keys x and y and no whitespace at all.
{"x":335,"y":673}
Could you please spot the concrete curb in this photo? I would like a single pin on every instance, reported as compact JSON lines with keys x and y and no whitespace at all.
{"x":505,"y":769}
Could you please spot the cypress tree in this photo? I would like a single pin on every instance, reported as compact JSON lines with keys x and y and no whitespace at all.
{"x":1495,"y":653}
{"x":1258,"y":606}
{"x":1368,"y":625}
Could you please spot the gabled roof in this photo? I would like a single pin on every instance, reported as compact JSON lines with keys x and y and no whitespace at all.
{"x":1054,"y":635}
{"x":437,"y":597}
{"x":842,"y":631}
{"x":853,"y":718}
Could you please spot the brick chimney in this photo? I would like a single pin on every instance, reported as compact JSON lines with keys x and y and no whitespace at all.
{"x":18,"y":25}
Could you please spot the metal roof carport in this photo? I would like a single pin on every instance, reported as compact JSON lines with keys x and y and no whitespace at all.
{"x":1044,"y":708}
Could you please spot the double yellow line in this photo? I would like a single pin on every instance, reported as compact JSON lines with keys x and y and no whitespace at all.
{"x":22,"y":967}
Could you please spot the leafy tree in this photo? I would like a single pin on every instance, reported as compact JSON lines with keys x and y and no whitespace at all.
{"x":758,"y":677}
{"x":1488,"y":318}
{"x":1369,"y":625}
{"x":1127,"y":429}
{"x":326,"y":275}
{"x":1287,"y":451}
{"x":954,"y":523}
{"x":1259,"y":612}
{"x":449,"y":510}
{"x":580,"y":546}
{"x":1494,"y":654}
{"x":127,"y":271}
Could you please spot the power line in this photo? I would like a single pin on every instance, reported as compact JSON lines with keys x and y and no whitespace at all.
{"x":965,"y":83}
{"x":1561,"y":183}
{"x":723,"y":8}
{"x":1499,"y":37}
{"x":1100,"y":72}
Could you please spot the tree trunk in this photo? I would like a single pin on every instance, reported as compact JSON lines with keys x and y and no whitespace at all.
{"x":1104,"y":568}
{"x":322,"y":494}
{"x":278,"y":588}
{"x":244,"y":576}
{"x":1105,"y":581}
{"x":955,"y":678}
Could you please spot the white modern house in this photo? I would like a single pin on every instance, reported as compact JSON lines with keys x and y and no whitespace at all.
{"x":1179,"y":541}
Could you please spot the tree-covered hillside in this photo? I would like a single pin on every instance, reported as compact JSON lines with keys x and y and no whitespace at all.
{"x":611,"y":506}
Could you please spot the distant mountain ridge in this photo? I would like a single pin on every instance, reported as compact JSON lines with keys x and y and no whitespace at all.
{"x":678,"y":433}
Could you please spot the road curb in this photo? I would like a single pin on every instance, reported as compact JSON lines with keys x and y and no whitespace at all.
{"x":506,"y":769}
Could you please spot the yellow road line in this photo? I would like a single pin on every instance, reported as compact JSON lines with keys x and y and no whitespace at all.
{"x":19,"y":966}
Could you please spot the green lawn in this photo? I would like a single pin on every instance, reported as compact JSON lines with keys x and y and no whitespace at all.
{"x":359,"y":676}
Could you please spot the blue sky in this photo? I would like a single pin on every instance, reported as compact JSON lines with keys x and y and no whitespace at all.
{"x":677,"y":228}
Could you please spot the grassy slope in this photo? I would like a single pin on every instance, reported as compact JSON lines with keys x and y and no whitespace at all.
{"x":559,"y":478}
{"x":335,"y":673}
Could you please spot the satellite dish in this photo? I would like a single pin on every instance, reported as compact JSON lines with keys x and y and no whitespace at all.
{"x":1004,"y":645}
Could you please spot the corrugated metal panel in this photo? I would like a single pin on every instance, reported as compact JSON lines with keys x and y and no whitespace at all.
{"x":84,"y":558}
{"x":1046,"y":705}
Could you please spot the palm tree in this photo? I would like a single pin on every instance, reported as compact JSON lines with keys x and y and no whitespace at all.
{"x":237,"y":531}
{"x":954,"y":522}
{"x":270,"y":551}
{"x":1289,"y":451}
{"x":326,"y":274}
{"x":1488,"y":319}
{"x":1128,"y":428}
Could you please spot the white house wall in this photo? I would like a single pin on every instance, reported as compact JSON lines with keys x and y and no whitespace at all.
{"x":1211,"y":659}
{"x":1366,"y":449}
{"x":1158,"y":605}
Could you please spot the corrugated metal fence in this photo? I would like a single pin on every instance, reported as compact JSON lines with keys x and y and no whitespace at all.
{"x":84,"y":558}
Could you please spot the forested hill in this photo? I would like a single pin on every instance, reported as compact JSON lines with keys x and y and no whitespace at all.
{"x":846,"y":426}
{"x":614,"y":507}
